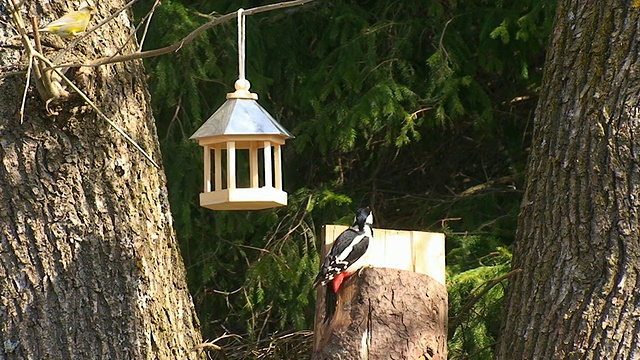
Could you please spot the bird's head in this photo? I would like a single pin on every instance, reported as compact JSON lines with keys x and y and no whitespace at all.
{"x":87,"y":8}
{"x":364,"y":216}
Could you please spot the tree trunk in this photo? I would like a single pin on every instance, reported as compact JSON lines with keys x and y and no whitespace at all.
{"x":383,"y":314}
{"x":89,"y":263}
{"x":577,"y":240}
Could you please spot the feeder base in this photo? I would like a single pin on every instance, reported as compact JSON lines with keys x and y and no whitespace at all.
{"x":243,"y":199}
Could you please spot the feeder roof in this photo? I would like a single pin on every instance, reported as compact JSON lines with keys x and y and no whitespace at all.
{"x":241,"y":117}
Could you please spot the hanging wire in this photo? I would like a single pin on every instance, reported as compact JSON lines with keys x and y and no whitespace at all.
{"x":241,"y":43}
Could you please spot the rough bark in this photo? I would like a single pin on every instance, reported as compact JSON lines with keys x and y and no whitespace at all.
{"x":89,"y":264}
{"x":577,"y":241}
{"x":384,"y":314}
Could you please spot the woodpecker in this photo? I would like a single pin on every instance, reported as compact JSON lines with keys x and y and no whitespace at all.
{"x":346,"y":254}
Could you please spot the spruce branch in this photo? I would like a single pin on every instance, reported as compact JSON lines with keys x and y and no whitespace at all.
{"x":472,"y":300}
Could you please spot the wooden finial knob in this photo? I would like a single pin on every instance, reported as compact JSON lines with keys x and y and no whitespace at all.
{"x":242,"y":84}
{"x":242,"y":90}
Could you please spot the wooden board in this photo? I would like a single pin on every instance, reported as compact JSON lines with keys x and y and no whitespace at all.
{"x":417,"y":251}
{"x":243,"y":199}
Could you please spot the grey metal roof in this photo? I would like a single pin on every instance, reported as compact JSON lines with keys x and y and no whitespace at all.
{"x":241,"y":117}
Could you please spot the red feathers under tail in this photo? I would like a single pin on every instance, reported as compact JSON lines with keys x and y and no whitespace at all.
{"x":337,"y":281}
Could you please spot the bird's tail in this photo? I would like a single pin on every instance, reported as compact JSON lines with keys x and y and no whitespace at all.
{"x":330,"y":303}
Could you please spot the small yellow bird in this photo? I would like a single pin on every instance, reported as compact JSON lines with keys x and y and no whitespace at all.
{"x":71,"y":23}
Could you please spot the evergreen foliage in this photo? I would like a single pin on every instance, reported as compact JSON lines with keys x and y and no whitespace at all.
{"x":420,"y":109}
{"x":475,"y":324}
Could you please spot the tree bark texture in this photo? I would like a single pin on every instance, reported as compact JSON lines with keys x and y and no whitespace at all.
{"x":383,"y":314}
{"x":89,"y":263}
{"x":578,"y":242}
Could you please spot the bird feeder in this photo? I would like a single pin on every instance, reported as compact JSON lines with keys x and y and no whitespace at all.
{"x":242,"y":154}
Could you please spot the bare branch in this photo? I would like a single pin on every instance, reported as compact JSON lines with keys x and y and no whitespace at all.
{"x":137,"y":55}
{"x":93,"y":29}
{"x":26,"y":90}
{"x":39,"y":57}
{"x":147,"y":22}
{"x":189,"y":38}
{"x":212,"y":343}
{"x":100,"y":113}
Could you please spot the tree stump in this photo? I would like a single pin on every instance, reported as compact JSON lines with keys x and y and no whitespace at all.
{"x":384,"y":313}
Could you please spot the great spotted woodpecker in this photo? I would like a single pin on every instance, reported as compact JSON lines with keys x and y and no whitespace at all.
{"x":347,"y":254}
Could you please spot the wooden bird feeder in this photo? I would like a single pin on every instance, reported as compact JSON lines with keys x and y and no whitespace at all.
{"x":242,"y":156}
{"x":241,"y":144}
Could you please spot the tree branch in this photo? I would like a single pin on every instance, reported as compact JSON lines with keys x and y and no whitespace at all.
{"x":189,"y":38}
{"x":50,"y":91}
{"x":98,"y":111}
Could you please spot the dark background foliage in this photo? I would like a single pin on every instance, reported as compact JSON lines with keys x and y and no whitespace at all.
{"x":422,"y":110}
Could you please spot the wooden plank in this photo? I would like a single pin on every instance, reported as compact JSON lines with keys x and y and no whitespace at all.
{"x":397,"y":249}
{"x":243,"y":199}
{"x":377,"y":252}
{"x":416,"y":251}
{"x":429,"y":254}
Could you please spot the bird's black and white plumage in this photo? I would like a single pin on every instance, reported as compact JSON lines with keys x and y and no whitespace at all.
{"x":347,"y":254}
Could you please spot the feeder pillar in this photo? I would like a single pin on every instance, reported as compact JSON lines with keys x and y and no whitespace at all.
{"x":217,"y":154}
{"x":207,"y":168}
{"x":253,"y":165}
{"x":268,"y":176}
{"x":231,"y":165}
{"x":277,"y":159}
